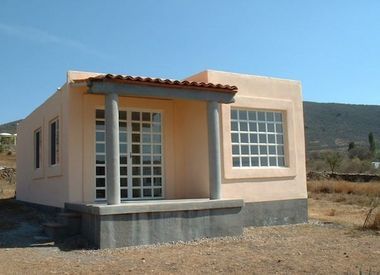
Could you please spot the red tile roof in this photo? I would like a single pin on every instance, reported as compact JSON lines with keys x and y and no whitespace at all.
{"x":166,"y":82}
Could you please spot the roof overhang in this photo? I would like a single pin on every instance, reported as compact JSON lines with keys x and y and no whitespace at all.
{"x":159,"y":88}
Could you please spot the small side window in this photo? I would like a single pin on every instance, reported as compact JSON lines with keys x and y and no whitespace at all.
{"x":37,"y":149}
{"x":54,"y":142}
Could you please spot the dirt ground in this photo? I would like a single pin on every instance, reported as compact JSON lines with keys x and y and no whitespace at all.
{"x":332,"y":242}
{"x":8,"y":160}
{"x":328,"y":244}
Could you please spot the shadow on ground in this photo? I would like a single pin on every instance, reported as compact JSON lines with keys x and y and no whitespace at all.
{"x":21,"y":226}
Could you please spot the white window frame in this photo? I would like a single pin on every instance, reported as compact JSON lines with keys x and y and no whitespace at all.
{"x":39,"y":152}
{"x":128,"y":144}
{"x":257,"y":138}
{"x":56,"y":141}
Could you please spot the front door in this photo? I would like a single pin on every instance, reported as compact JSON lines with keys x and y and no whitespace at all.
{"x":141,"y":155}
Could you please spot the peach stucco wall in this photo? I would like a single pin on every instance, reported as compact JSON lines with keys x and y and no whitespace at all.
{"x":185,"y":143}
{"x":48,"y":184}
{"x":263,"y":93}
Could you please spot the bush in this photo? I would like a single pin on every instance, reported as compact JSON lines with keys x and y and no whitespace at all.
{"x":361,"y":153}
{"x":356,"y":165}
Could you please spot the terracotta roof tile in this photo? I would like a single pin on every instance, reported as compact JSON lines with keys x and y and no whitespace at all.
{"x":160,"y":81}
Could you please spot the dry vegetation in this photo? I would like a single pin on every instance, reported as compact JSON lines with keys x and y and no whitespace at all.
{"x":370,"y":189}
{"x":339,"y":194}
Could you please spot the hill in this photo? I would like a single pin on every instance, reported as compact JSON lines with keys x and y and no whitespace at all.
{"x":327,"y":125}
{"x":10,"y":127}
{"x":334,"y":126}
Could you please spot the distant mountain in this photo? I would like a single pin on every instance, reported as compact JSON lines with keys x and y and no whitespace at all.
{"x":10,"y":127}
{"x":327,"y":125}
{"x":334,"y":126}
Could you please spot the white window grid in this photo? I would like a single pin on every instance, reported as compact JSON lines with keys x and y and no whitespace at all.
{"x":257,"y":138}
{"x":144,"y":130}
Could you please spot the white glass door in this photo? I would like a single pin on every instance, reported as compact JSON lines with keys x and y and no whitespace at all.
{"x":141,"y":155}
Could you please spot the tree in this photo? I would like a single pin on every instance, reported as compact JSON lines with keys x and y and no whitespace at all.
{"x":351,"y":145}
{"x":372,"y":143}
{"x":333,"y":159}
{"x":360,"y":152}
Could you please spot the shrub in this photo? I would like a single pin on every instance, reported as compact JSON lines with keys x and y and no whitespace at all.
{"x":333,"y":159}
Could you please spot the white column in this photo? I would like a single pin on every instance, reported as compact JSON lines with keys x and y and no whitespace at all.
{"x":214,"y":150}
{"x":112,"y":148}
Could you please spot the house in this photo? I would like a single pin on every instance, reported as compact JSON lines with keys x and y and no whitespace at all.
{"x":147,"y":160}
{"x":376,"y":164}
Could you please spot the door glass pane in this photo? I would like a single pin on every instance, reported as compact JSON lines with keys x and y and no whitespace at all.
{"x":136,"y":193}
{"x":136,"y":182}
{"x":147,"y":192}
{"x":124,"y":193}
{"x":147,"y":181}
{"x":136,"y":116}
{"x":146,"y":116}
{"x":156,"y":117}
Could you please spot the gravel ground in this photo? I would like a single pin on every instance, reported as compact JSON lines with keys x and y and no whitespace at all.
{"x":311,"y":248}
{"x":318,"y":248}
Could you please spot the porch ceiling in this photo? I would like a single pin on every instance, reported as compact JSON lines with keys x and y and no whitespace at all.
{"x":160,"y":88}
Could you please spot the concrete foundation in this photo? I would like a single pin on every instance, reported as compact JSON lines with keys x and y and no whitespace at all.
{"x":275,"y":212}
{"x":150,"y":222}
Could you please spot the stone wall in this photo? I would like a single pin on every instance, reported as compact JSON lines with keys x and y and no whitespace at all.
{"x":353,"y":177}
{"x":8,"y":175}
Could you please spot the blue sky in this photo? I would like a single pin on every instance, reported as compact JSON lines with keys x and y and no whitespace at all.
{"x":333,"y":47}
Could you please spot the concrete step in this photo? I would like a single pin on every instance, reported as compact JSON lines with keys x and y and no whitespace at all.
{"x":56,"y":231}
{"x":72,"y":221}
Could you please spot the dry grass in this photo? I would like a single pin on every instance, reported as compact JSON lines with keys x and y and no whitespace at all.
{"x":366,"y":195}
{"x":370,"y":189}
{"x":331,"y":212}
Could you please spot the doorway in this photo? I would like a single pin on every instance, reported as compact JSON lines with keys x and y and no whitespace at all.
{"x":141,"y":155}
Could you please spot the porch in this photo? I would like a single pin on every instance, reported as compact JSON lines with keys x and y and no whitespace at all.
{"x":150,"y":222}
{"x":128,"y":215}
{"x":139,"y":133}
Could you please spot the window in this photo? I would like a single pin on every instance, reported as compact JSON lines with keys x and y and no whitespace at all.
{"x":257,"y":138}
{"x":141,"y":155}
{"x":54,"y":142}
{"x":37,"y":149}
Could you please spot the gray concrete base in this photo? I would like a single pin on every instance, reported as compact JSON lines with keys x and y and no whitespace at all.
{"x":275,"y":212}
{"x":150,"y":222}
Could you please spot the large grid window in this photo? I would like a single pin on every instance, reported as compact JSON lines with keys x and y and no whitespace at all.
{"x":54,"y":142}
{"x":257,"y":138}
{"x":37,"y":149}
{"x":141,"y":164}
